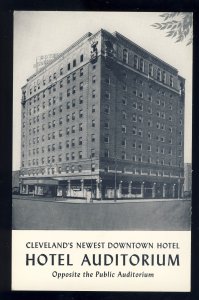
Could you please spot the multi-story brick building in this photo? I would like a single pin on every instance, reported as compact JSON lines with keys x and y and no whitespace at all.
{"x":104,"y":117}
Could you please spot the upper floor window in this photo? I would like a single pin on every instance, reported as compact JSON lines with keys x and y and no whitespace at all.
{"x":81,"y":58}
{"x":135,"y":62}
{"x":158,"y":74}
{"x":74,"y":63}
{"x":141,"y":65}
{"x":171,"y":81}
{"x":164,"y":77}
{"x":125,"y":56}
{"x":150,"y":70}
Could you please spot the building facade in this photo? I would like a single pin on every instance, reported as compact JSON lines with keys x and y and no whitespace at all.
{"x":187,"y":177}
{"x":104,"y":119}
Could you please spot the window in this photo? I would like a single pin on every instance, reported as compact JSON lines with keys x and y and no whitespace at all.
{"x":73,"y":103}
{"x":164,"y":77}
{"x":107,"y":109}
{"x":60,"y":133}
{"x":74,"y":89}
{"x":125,"y":56}
{"x":92,"y":153}
{"x":140,"y":132}
{"x":141,"y":65}
{"x":140,"y":106}
{"x":73,"y":143}
{"x":73,"y":116}
{"x":149,"y":148}
{"x":93,"y":167}
{"x":80,"y":154}
{"x":67,"y":169}
{"x":80,"y":140}
{"x":60,"y":158}
{"x":123,"y":129}
{"x":140,"y":119}
{"x":80,"y":127}
{"x":134,"y":118}
{"x":93,"y":94}
{"x":68,"y":79}
{"x":135,"y":62}
{"x":163,"y":115}
{"x":123,"y":142}
{"x":72,"y":156}
{"x":162,"y":150}
{"x":81,"y":113}
{"x":54,"y":87}
{"x":150,"y":70}
{"x":80,"y":99}
{"x":67,"y":131}
{"x":134,"y":130}
{"x":54,"y":100}
{"x":73,"y":129}
{"x":171,"y":80}
{"x":67,"y":156}
{"x":68,"y":66}
{"x":124,"y":87}
{"x":61,"y":83}
{"x":81,"y":86}
{"x":61,"y":71}
{"x":158,"y":74}
{"x":60,"y":121}
{"x":68,"y":105}
{"x":60,"y":145}
{"x":106,"y":125}
{"x":149,"y":123}
{"x":106,"y":153}
{"x":124,"y":115}
{"x":74,"y":76}
{"x":140,"y":146}
{"x":123,"y":155}
{"x":74,"y":62}
{"x":106,"y":138}
{"x":67,"y":144}
{"x":93,"y":108}
{"x":124,"y":100}
{"x":94,"y":79}
{"x":93,"y":123}
{"x":53,"y":147}
{"x":81,"y":72}
{"x":81,"y":58}
{"x":60,"y":108}
{"x":53,"y":111}
{"x":53,"y":135}
{"x":93,"y":138}
{"x":134,"y":105}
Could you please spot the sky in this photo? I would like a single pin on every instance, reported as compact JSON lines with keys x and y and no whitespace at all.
{"x":39,"y":33}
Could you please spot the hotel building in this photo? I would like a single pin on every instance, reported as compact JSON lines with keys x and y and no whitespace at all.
{"x":104,"y":119}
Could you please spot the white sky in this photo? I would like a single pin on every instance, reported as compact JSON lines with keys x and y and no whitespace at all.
{"x":38,"y":33}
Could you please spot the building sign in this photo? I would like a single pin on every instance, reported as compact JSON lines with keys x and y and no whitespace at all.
{"x":43,"y":60}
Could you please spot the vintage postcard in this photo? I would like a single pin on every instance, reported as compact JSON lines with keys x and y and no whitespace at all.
{"x":102,"y":121}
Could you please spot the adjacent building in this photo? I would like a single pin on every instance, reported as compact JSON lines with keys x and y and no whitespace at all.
{"x":187,"y":177}
{"x":104,"y":119}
